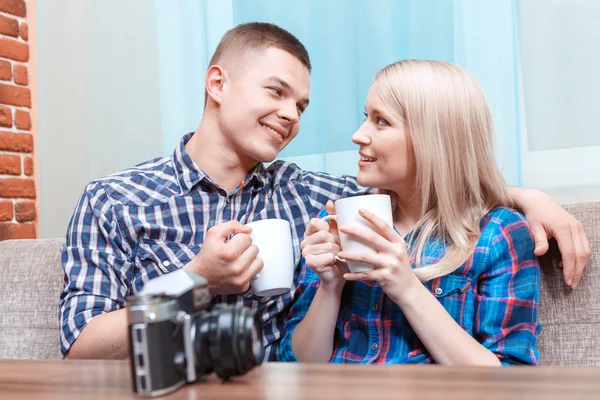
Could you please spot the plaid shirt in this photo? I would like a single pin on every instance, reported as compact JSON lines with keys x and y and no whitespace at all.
{"x":493,"y":296}
{"x":149,"y":220}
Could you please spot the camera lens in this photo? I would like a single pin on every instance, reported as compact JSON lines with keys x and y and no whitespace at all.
{"x":228,"y":340}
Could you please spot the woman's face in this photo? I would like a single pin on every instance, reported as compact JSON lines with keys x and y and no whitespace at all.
{"x":387,"y":159}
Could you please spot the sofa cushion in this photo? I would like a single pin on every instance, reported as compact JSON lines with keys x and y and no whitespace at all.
{"x":31,"y":279}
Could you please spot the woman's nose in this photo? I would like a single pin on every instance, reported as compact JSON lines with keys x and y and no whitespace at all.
{"x":360,"y":137}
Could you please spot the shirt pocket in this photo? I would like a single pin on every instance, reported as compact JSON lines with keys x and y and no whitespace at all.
{"x":155,"y":257}
{"x":455,"y":295}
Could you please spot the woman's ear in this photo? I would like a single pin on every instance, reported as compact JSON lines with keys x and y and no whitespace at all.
{"x":215,"y":80}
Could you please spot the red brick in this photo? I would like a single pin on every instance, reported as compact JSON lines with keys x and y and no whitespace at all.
{"x":22,"y":120}
{"x":10,"y":165}
{"x":11,"y":188}
{"x":18,"y":142}
{"x":24,"y":31}
{"x":6,"y":211}
{"x":28,"y":166}
{"x":21,"y":75}
{"x":6,"y":117}
{"x":16,"y":231}
{"x":9,"y":26}
{"x":14,"y":50}
{"x":25,"y":211}
{"x":15,"y":95}
{"x":5,"y":72}
{"x":14,"y":7}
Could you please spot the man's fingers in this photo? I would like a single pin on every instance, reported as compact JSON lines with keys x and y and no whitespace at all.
{"x":255,"y":267}
{"x":239,"y":242}
{"x":564,"y":240}
{"x":540,"y":237}
{"x":230,"y":251}
{"x":246,"y":258}
{"x":226,"y":229}
{"x":244,"y":268}
{"x":582,"y":253}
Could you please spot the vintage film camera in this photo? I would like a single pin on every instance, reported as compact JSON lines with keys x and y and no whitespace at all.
{"x":175,"y":337}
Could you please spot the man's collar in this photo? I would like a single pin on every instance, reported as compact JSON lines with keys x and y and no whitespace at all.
{"x":258,"y":177}
{"x":189,"y":174}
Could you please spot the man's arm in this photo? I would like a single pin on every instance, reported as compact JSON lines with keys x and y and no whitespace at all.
{"x":104,"y":337}
{"x":98,"y":275}
{"x":548,"y":219}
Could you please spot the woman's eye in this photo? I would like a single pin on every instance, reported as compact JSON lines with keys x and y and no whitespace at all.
{"x":366,"y":115}
{"x":382,"y":122}
{"x":277,"y":91}
{"x":300,"y":109}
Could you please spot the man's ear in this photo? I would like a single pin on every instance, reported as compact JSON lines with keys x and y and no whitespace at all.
{"x":215,"y":80}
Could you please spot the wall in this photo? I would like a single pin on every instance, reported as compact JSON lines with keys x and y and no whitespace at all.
{"x":99,"y":97}
{"x":17,"y":184}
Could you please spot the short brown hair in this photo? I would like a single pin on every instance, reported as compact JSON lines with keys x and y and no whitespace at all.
{"x":256,"y":36}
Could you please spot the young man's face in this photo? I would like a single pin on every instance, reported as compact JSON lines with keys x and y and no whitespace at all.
{"x":263,"y":99}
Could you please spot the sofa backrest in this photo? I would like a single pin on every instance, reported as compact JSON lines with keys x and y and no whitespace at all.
{"x":31,"y":279}
{"x":571,"y":318}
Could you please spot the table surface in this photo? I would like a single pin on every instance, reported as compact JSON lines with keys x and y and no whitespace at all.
{"x":57,"y":379}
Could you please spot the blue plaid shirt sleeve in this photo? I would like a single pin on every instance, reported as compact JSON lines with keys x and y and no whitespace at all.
{"x":322,"y":187}
{"x":508,"y":293}
{"x":97,"y":270}
{"x":308,"y":283}
{"x":306,"y":289}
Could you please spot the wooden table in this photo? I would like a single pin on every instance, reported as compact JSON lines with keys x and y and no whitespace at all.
{"x":86,"y":380}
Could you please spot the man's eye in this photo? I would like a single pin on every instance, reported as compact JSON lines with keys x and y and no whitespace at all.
{"x":275,"y":90}
{"x":301,"y":109}
{"x":366,"y":115}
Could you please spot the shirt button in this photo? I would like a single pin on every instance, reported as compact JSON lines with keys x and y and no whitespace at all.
{"x":374,"y":346}
{"x":166,"y":263}
{"x":375,"y":307}
{"x":438,"y":290}
{"x":228,"y":200}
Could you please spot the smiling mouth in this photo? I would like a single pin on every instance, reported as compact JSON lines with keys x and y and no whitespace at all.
{"x":273,"y":131}
{"x":366,"y":159}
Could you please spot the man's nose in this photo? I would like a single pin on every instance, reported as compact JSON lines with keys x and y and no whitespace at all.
{"x":289,"y":112}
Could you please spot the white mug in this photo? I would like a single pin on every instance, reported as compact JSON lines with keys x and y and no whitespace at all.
{"x":273,"y":237}
{"x":347,"y":214}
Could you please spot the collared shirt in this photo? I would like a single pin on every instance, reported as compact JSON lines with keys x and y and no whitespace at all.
{"x":149,"y":220}
{"x":493,"y":296}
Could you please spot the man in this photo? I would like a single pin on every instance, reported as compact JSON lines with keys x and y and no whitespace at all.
{"x":178,"y":211}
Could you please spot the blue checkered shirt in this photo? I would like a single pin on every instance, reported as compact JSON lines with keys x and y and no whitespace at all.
{"x":149,"y":220}
{"x":493,"y":296}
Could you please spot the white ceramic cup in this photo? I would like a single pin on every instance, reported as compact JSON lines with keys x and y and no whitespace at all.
{"x":273,"y":237}
{"x":347,"y":214}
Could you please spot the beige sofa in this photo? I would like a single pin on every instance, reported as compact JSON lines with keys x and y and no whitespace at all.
{"x":31,"y":279}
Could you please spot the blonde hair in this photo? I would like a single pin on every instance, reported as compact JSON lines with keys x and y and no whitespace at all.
{"x":451,"y":128}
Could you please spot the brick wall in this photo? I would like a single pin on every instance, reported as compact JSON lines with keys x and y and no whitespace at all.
{"x":17,"y":186}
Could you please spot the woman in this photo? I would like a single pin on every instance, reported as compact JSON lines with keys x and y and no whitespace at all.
{"x":455,"y":280}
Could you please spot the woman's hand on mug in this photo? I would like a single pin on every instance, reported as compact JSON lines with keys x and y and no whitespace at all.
{"x":320,"y":246}
{"x":391,"y":264}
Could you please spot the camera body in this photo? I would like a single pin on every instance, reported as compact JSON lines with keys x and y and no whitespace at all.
{"x":175,"y":337}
